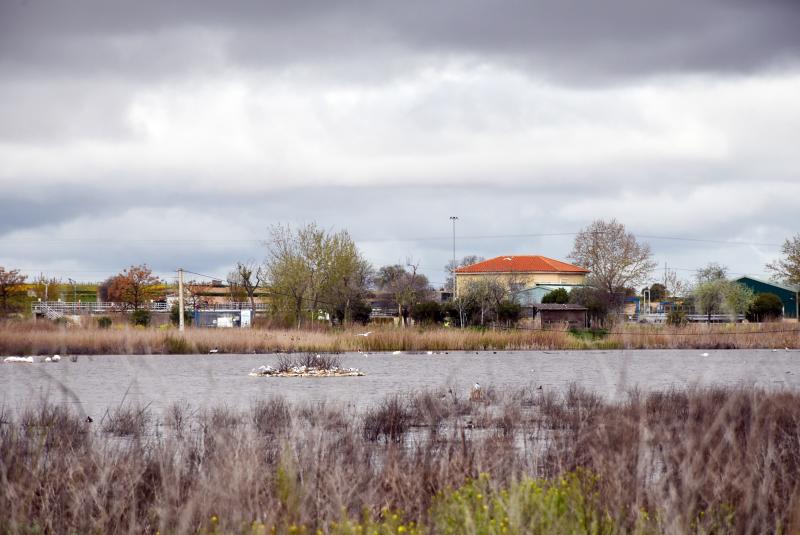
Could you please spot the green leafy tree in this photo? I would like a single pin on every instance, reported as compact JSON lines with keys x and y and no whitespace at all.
{"x":508,"y":312}
{"x":595,"y":300}
{"x":349,"y":282}
{"x":310,"y":269}
{"x":428,"y":313}
{"x":614,"y":257}
{"x":175,"y":315}
{"x":140,"y":317}
{"x":559,"y":295}
{"x":11,"y":288}
{"x":765,"y":307}
{"x":677,"y":318}
{"x":658,"y":292}
{"x":722,"y":296}
{"x":359,"y":312}
{"x":787,"y":269}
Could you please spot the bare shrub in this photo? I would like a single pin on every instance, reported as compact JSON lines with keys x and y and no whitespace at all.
{"x":322,"y":362}
{"x":285,"y":363}
{"x":271,"y":416}
{"x":223,"y":417}
{"x":55,"y":424}
{"x":430,"y":408}
{"x":697,"y":461}
{"x":127,"y":420}
{"x":389,"y":421}
{"x":177,"y":416}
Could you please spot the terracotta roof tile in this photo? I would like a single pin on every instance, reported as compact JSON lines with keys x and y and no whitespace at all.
{"x":522,"y":264}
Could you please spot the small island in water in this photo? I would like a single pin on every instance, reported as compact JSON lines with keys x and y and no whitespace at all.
{"x":310,"y":365}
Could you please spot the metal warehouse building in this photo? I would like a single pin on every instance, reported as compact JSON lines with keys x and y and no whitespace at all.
{"x":788,"y":294}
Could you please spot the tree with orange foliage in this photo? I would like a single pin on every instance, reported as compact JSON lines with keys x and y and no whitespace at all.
{"x":11,"y":282}
{"x":134,"y":287}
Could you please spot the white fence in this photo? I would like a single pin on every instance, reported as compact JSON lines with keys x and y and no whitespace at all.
{"x":57,"y":309}
{"x":693,"y":318}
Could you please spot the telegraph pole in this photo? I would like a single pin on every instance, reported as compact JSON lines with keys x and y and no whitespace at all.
{"x":180,"y":300}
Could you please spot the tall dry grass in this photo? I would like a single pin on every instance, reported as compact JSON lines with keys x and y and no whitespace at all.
{"x":41,"y":338}
{"x":699,"y":461}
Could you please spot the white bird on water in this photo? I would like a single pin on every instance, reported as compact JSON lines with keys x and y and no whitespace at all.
{"x":27,"y":360}
{"x":704,"y":355}
{"x":56,"y":358}
{"x":365,"y":334}
{"x":215,"y":350}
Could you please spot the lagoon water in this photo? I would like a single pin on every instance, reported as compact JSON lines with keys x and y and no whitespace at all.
{"x":94,"y":384}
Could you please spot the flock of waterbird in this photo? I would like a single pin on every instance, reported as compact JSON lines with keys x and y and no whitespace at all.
{"x":31,"y":360}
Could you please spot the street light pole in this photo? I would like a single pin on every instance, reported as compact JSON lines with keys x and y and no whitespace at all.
{"x":180,"y":300}
{"x":453,"y":273}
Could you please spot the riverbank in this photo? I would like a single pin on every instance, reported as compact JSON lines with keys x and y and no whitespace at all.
{"x":45,"y":338}
{"x":719,"y":460}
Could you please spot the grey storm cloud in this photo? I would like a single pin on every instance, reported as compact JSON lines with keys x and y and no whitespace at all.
{"x":176,"y":133}
{"x":575,"y":39}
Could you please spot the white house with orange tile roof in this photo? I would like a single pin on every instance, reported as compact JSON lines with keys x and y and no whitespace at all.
{"x":521,"y":272}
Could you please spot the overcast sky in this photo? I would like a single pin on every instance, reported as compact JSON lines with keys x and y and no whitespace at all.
{"x":176,"y":133}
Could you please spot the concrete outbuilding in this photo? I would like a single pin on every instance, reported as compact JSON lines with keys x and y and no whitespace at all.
{"x":558,"y":315}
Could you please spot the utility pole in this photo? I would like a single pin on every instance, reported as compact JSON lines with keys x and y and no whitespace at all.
{"x":180,"y":300}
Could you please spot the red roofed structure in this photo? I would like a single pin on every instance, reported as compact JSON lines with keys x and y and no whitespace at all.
{"x":522,"y":264}
{"x":521,"y":272}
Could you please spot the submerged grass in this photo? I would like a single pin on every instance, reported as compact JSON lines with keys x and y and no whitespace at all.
{"x":715,"y":460}
{"x":42,"y":338}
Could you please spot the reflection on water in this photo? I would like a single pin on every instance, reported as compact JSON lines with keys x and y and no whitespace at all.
{"x":94,"y":383}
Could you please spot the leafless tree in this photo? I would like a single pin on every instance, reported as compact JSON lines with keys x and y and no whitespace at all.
{"x":787,"y":269}
{"x":614,"y":257}
{"x":450,"y":268}
{"x":711,"y":272}
{"x":249,"y":277}
{"x":406,"y":286}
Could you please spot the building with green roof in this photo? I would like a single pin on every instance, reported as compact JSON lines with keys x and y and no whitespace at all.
{"x":787,"y":293}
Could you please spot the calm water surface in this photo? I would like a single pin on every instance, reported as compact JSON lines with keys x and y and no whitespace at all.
{"x":95,"y":383}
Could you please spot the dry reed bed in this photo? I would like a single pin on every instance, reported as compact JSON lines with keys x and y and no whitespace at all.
{"x":703,"y":336}
{"x":712,"y":460}
{"x":44,"y":338}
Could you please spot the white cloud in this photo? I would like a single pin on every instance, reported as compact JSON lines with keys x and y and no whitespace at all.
{"x":679,"y":155}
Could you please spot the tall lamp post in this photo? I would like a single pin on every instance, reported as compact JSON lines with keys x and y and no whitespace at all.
{"x":454,"y":219}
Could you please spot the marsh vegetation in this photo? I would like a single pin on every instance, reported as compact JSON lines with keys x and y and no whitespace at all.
{"x":721,"y":460}
{"x":45,"y":338}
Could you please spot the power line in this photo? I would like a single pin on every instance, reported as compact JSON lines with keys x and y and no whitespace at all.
{"x":475,"y":237}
